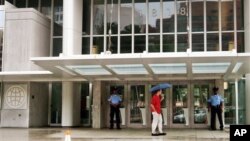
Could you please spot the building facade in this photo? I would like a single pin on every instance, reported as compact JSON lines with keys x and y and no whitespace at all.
{"x":60,"y":59}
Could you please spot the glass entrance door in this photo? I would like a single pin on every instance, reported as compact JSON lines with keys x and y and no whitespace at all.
{"x":180,"y":108}
{"x":56,"y":104}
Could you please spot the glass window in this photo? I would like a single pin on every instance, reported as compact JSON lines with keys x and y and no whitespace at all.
{"x":86,"y":17}
{"x":126,"y":44}
{"x":33,"y":4}
{"x":21,"y":3}
{"x":10,"y":1}
{"x":112,"y":44}
{"x":168,"y":43}
{"x":198,"y":42}
{"x":240,"y":14}
{"x":227,"y":15}
{"x":140,"y":44}
{"x":57,"y":46}
{"x":182,"y":42}
{"x":46,"y":7}
{"x":154,"y":43}
{"x":1,"y":3}
{"x":229,"y":104}
{"x":85,"y":45}
{"x":182,"y":19}
{"x":227,"y":41}
{"x":98,"y":17}
{"x":212,"y":15}
{"x":140,"y":13}
{"x":242,"y":101}
{"x":197,"y":16}
{"x":97,"y":45}
{"x":1,"y":50}
{"x":56,"y":103}
{"x":240,"y":42}
{"x":154,"y":14}
{"x":86,"y":102}
{"x":213,"y":42}
{"x":126,"y":16}
{"x":168,"y":15}
{"x":58,"y":17}
{"x":112,"y":16}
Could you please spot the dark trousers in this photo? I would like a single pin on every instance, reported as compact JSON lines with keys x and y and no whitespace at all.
{"x":115,"y":112}
{"x":216,"y":110}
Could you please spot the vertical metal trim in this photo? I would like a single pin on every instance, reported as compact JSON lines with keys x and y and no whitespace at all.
{"x":133,"y":28}
{"x":147,"y":18}
{"x":175,"y":27}
{"x":119,"y":30}
{"x":91,"y":26}
{"x":205,"y":25}
{"x":105,"y":27}
{"x":161,"y":26}
{"x":220,"y":27}
{"x":236,"y":101}
{"x":235,"y":25}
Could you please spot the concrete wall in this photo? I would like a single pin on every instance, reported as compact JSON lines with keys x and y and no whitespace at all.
{"x":27,"y":34}
{"x":38,"y":104}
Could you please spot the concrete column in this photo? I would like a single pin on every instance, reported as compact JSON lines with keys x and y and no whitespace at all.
{"x":247,"y":24}
{"x":247,"y":99}
{"x":96,"y":107}
{"x":72,"y":27}
{"x":67,"y":104}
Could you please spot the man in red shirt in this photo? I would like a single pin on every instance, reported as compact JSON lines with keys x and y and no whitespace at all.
{"x":156,"y":112}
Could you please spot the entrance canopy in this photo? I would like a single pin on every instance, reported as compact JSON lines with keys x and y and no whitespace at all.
{"x":140,"y":67}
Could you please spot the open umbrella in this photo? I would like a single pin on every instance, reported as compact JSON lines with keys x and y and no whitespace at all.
{"x":161,"y":86}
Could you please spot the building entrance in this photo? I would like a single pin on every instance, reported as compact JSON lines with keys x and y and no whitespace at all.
{"x":184,"y":104}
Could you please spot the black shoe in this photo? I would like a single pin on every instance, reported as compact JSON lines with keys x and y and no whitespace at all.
{"x":155,"y":134}
{"x":162,"y":134}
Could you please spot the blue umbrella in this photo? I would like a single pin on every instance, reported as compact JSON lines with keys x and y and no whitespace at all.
{"x":161,"y":86}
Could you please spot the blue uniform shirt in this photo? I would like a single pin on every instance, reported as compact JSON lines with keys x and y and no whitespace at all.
{"x":215,"y":100}
{"x":114,"y":99}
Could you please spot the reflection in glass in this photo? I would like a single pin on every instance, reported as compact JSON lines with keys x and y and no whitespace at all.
{"x":56,"y":103}
{"x":126,"y":44}
{"x":33,"y":4}
{"x":113,"y":48}
{"x":154,"y":16}
{"x":154,"y":43}
{"x":180,"y":109}
{"x":137,"y":104}
{"x":97,"y":45}
{"x":229,"y":104}
{"x":112,"y":16}
{"x":58,"y":17}
{"x":182,"y":42}
{"x":240,"y":42}
{"x":242,"y":101}
{"x":57,"y":46}
{"x":126,"y":17}
{"x":197,"y":16}
{"x":227,"y":41}
{"x":86,"y":17}
{"x":140,"y":43}
{"x":168,"y":15}
{"x":240,"y":14}
{"x":98,"y":17}
{"x":197,"y":42}
{"x":168,"y":43}
{"x":85,"y":104}
{"x":212,"y":15}
{"x":85,"y":45}
{"x":182,"y":18}
{"x":227,"y":15}
{"x":46,"y":8}
{"x":213,"y":42}
{"x":200,"y":93}
{"x":140,"y":13}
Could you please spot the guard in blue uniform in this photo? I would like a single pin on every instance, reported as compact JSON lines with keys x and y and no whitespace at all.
{"x":215,"y":103}
{"x":115,"y":101}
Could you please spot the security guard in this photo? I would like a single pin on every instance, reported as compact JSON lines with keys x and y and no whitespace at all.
{"x":115,"y":101}
{"x":216,"y":105}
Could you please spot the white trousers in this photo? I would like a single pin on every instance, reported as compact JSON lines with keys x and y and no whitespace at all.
{"x":157,"y":121}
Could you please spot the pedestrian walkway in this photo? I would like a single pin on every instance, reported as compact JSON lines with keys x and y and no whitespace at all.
{"x":83,"y":134}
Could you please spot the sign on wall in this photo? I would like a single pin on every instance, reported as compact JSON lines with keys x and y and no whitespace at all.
{"x":15,"y":97}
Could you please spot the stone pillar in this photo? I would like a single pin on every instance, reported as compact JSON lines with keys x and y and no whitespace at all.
{"x":96,"y":107}
{"x":247,"y":24}
{"x":247,"y":99}
{"x":72,"y":27}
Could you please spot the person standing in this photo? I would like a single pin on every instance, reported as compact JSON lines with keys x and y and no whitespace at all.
{"x":156,"y":113}
{"x":115,"y":101}
{"x":215,"y":103}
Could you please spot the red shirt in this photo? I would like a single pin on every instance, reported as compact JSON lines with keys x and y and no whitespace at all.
{"x":156,"y":102}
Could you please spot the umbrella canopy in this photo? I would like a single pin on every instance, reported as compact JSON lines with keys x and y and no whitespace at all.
{"x":161,"y":86}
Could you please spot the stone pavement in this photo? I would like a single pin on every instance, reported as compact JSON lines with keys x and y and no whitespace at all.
{"x":89,"y":134}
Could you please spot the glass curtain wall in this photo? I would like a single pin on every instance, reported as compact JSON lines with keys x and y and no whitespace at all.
{"x":165,"y":26}
{"x":57,"y":27}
